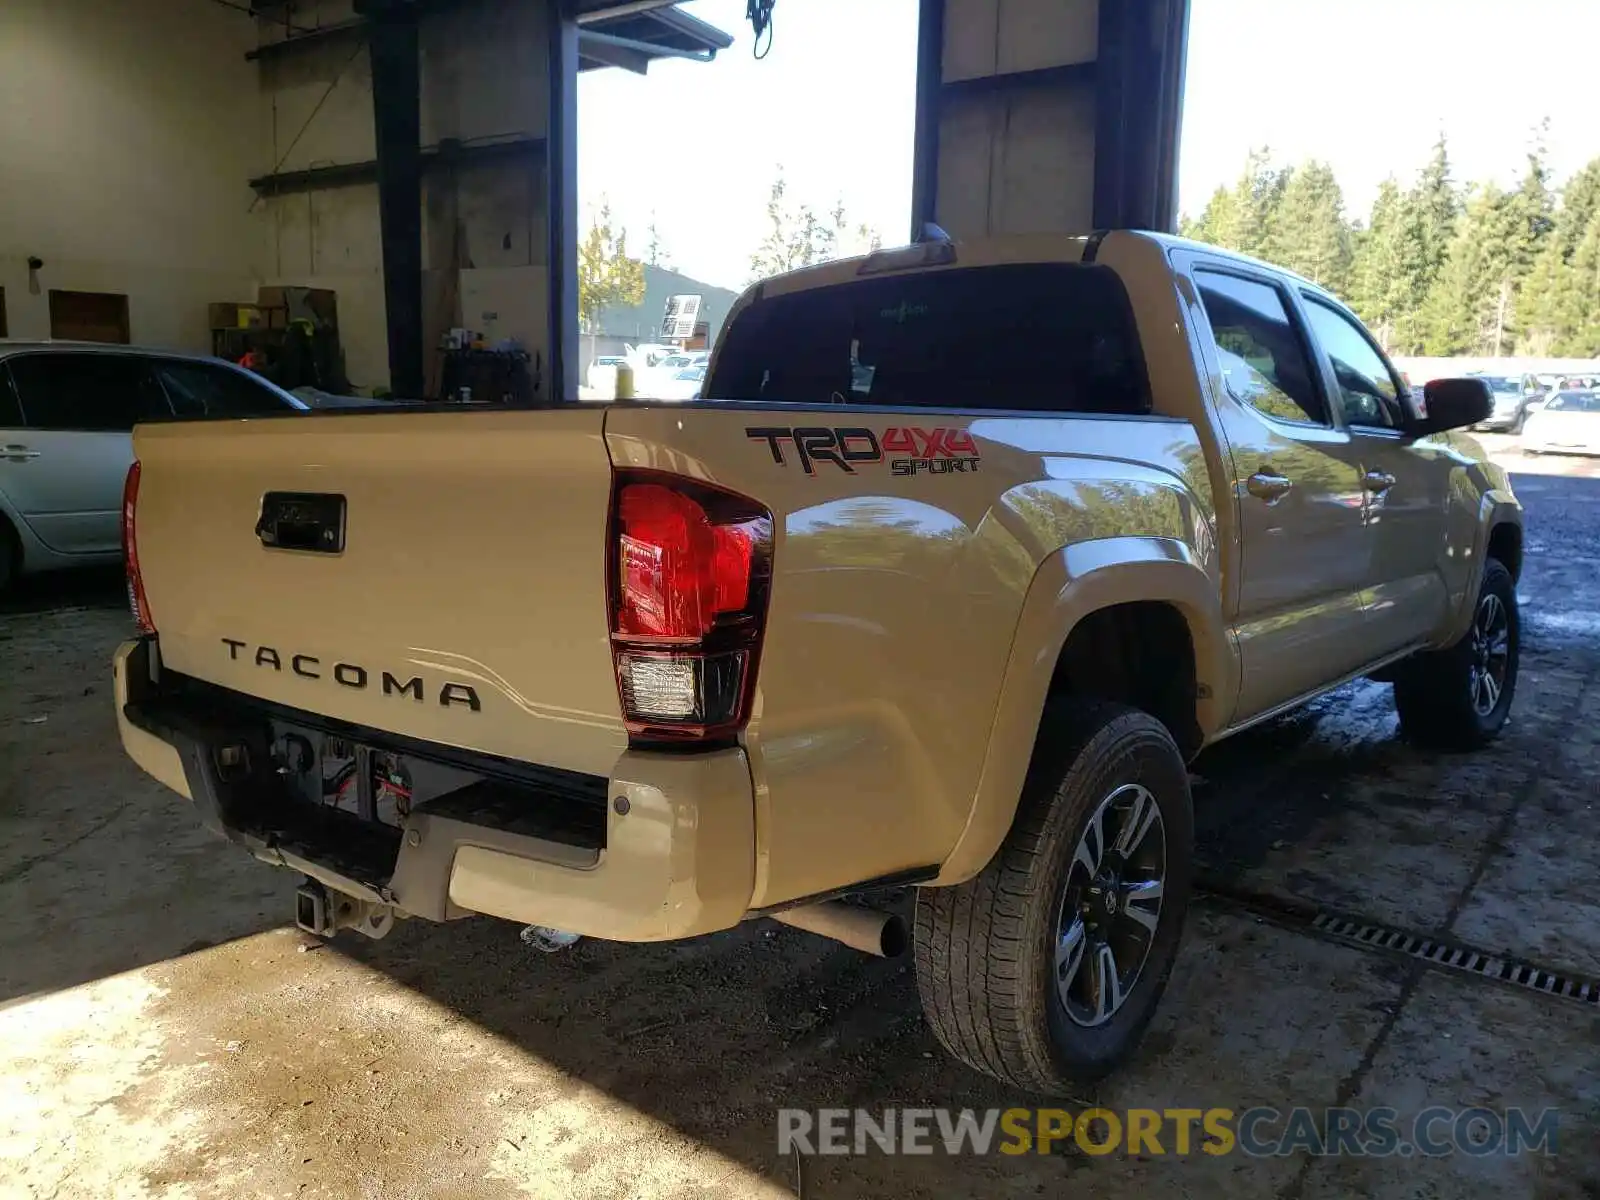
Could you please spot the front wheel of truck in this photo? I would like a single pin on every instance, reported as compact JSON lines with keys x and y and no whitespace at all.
{"x":1459,"y":698}
{"x":1045,"y":969}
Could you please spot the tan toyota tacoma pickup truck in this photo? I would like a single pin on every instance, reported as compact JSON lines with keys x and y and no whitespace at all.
{"x":966,"y":551}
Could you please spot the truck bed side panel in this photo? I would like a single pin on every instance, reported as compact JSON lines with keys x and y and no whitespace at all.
{"x":896,"y":597}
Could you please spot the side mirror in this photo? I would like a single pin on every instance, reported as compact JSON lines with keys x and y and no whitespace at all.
{"x":1449,"y":404}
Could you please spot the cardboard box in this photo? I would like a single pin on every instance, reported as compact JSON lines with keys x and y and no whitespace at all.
{"x":229,"y":315}
{"x":318,"y":305}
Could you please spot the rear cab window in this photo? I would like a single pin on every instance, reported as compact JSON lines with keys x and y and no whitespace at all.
{"x":1033,"y":337}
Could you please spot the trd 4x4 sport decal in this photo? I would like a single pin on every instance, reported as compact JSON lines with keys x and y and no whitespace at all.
{"x":907,"y":449}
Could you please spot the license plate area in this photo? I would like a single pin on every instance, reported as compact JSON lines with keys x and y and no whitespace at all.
{"x":376,"y":785}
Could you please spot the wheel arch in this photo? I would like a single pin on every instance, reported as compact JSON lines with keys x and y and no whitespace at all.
{"x":1127,"y":582}
{"x":1498,"y":531}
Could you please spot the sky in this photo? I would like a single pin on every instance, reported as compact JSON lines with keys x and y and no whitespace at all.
{"x":1366,"y":85}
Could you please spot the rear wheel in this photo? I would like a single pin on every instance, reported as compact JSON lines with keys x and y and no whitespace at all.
{"x":1459,"y":698}
{"x":10,"y":556}
{"x":1046,"y":968}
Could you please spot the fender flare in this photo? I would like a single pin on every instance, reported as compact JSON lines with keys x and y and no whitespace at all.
{"x":1496,"y":507}
{"x":1069,"y":585}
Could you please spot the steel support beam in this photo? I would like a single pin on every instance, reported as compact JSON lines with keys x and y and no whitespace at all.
{"x":925,"y":139}
{"x":448,"y":155}
{"x":1048,"y":117}
{"x":1144,"y":46}
{"x":397,"y":124}
{"x":559,"y":382}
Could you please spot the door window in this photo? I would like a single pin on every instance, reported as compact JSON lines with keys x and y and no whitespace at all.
{"x":203,"y":390}
{"x":86,"y":391}
{"x":1366,"y":394}
{"x":1263,"y":359}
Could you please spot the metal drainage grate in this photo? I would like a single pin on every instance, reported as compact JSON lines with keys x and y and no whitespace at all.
{"x":1460,"y":958}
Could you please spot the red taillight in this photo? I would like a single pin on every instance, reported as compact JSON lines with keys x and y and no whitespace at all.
{"x":137,"y":601}
{"x":689,"y":573}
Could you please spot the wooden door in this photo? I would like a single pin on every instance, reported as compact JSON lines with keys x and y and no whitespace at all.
{"x":89,"y":316}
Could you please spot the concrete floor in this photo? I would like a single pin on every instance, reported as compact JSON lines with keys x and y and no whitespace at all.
{"x":163,"y":1034}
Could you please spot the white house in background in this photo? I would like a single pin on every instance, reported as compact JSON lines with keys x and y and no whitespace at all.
{"x":619,"y":327}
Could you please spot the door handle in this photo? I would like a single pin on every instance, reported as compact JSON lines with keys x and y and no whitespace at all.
{"x":1377,"y":482}
{"x":17,"y":453}
{"x":1268,"y":487}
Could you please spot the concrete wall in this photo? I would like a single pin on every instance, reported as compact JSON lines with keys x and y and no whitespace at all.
{"x":483,"y":79}
{"x":125,"y":131}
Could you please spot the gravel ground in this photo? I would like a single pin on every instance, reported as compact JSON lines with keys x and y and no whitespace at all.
{"x":163,"y":1033}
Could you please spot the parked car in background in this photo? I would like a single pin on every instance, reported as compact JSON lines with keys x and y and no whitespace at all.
{"x":67,"y":411}
{"x":682,"y":385}
{"x":1569,"y":423}
{"x":1511,"y":397}
{"x":602,"y":373}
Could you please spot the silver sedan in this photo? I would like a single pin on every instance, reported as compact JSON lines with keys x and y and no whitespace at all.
{"x":67,"y":411}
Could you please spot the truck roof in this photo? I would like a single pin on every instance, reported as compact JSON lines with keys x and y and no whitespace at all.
{"x":1003,"y":249}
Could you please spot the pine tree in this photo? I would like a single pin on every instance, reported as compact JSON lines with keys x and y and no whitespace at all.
{"x":1580,"y":302}
{"x":1392,"y":274}
{"x":1258,"y":195}
{"x":1549,"y":310}
{"x":1310,"y":234}
{"x":1531,"y":211}
{"x":1217,"y":214}
{"x":1468,"y":304}
{"x":1372,"y":262}
{"x":1438,"y":206}
{"x":1580,"y":199}
{"x":1244,"y":217}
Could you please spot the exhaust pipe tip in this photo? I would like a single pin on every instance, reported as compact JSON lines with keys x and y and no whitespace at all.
{"x":878,"y":933}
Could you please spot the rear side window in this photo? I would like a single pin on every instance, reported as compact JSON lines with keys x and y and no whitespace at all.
{"x":86,"y":391}
{"x":1263,"y":359}
{"x":202,"y":390}
{"x":1047,"y":338}
{"x":10,"y":410}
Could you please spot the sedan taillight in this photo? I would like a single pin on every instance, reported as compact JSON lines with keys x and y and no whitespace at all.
{"x":691,"y":565}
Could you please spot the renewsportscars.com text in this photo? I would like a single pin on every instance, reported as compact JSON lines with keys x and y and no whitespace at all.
{"x":1256,"y":1132}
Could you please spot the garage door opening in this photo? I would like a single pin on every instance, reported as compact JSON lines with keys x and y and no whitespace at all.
{"x":1449,"y":206}
{"x":698,"y":177}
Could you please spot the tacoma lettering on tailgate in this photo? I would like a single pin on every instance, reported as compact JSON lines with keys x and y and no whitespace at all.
{"x":350,"y":675}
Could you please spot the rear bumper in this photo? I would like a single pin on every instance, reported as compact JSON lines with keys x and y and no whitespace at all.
{"x":667,"y":849}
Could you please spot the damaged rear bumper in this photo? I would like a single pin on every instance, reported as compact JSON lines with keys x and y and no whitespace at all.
{"x":664,"y":848}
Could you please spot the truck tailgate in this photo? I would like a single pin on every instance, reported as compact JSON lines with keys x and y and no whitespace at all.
{"x":466,"y":607}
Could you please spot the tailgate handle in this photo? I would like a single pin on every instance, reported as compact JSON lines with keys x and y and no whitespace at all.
{"x":310,"y":521}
